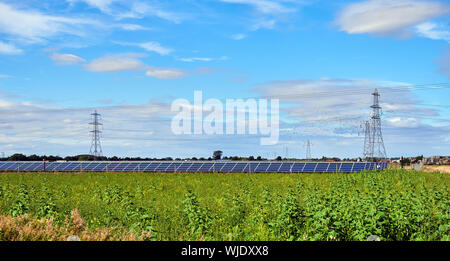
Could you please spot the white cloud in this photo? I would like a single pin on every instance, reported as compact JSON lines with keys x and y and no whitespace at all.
{"x":32,"y":26}
{"x":149,"y":46}
{"x":335,"y":102}
{"x":202,"y":59}
{"x":4,"y":76}
{"x":263,"y":6}
{"x":166,"y":73}
{"x":140,"y":10}
{"x":402,"y":122}
{"x":386,"y":17}
{"x":133,"y":27}
{"x":430,"y":30}
{"x":130,"y":62}
{"x":116,"y":63}
{"x":238,"y":36}
{"x":263,"y":24}
{"x":102,"y":5}
{"x":9,"y":49}
{"x":66,"y":58}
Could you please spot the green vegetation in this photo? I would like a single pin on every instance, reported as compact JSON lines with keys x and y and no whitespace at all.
{"x":393,"y":204}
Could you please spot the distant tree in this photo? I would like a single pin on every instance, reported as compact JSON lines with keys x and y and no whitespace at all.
{"x":278,"y":158}
{"x":17,"y":157}
{"x":34,"y":157}
{"x":217,"y":155}
{"x":251,"y":158}
{"x":258,"y":158}
{"x":85,"y":157}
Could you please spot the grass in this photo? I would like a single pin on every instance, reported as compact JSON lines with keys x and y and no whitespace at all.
{"x":393,"y":204}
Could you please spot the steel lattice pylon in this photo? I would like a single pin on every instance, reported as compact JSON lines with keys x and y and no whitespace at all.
{"x":367,"y":140}
{"x":373,"y":142}
{"x":96,"y":148}
{"x":308,"y":150}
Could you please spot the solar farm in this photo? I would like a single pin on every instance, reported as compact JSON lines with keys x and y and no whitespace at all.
{"x":194,"y":166}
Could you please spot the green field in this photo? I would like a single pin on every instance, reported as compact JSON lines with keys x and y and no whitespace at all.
{"x":392,"y":204}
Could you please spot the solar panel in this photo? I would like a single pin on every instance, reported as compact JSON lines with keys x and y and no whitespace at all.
{"x":239,"y":167}
{"x":252,"y":166}
{"x":195,"y":166}
{"x":262,"y":167}
{"x":309,"y":167}
{"x":346,"y":167}
{"x":217,"y":166}
{"x":358,"y":166}
{"x":321,"y":167}
{"x":333,"y":167}
{"x":285,"y":167}
{"x":162,"y":167}
{"x":274,"y":166}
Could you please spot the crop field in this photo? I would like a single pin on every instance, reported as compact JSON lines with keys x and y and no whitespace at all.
{"x":392,"y":204}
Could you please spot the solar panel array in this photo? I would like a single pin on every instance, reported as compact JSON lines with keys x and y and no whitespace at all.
{"x":193,"y":166}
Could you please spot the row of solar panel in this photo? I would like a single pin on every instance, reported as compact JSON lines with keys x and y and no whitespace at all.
{"x":194,"y":166}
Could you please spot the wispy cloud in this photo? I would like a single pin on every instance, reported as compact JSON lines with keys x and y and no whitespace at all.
{"x":132,"y":27}
{"x":202,"y":59}
{"x":433,"y":31}
{"x":166,"y":73}
{"x":341,"y":101}
{"x":32,"y":26}
{"x":238,"y":36}
{"x":263,"y":6}
{"x":102,"y":5}
{"x":4,"y":76}
{"x":131,"y":62}
{"x":386,"y":17}
{"x":149,"y":46}
{"x":66,"y":59}
{"x":6,"y":48}
{"x":263,"y":24}
{"x":116,"y":63}
{"x":139,"y":10}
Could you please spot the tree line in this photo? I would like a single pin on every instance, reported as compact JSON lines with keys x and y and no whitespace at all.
{"x":217,"y":155}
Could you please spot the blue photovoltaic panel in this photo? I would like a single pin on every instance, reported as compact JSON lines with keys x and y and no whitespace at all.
{"x":262,"y":167}
{"x":195,"y":166}
{"x":229,"y":166}
{"x":252,"y":166}
{"x":333,"y":167}
{"x":358,"y":167}
{"x":285,"y":167}
{"x":239,"y":167}
{"x":298,"y":166}
{"x":217,"y":166}
{"x":151,"y":166}
{"x":29,"y":166}
{"x":274,"y":166}
{"x":162,"y":167}
{"x":310,"y":167}
{"x":321,"y":167}
{"x":206,"y":167}
{"x":346,"y":167}
{"x":184,"y":166}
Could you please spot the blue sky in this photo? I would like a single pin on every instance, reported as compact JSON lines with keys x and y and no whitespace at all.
{"x":60,"y":60}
